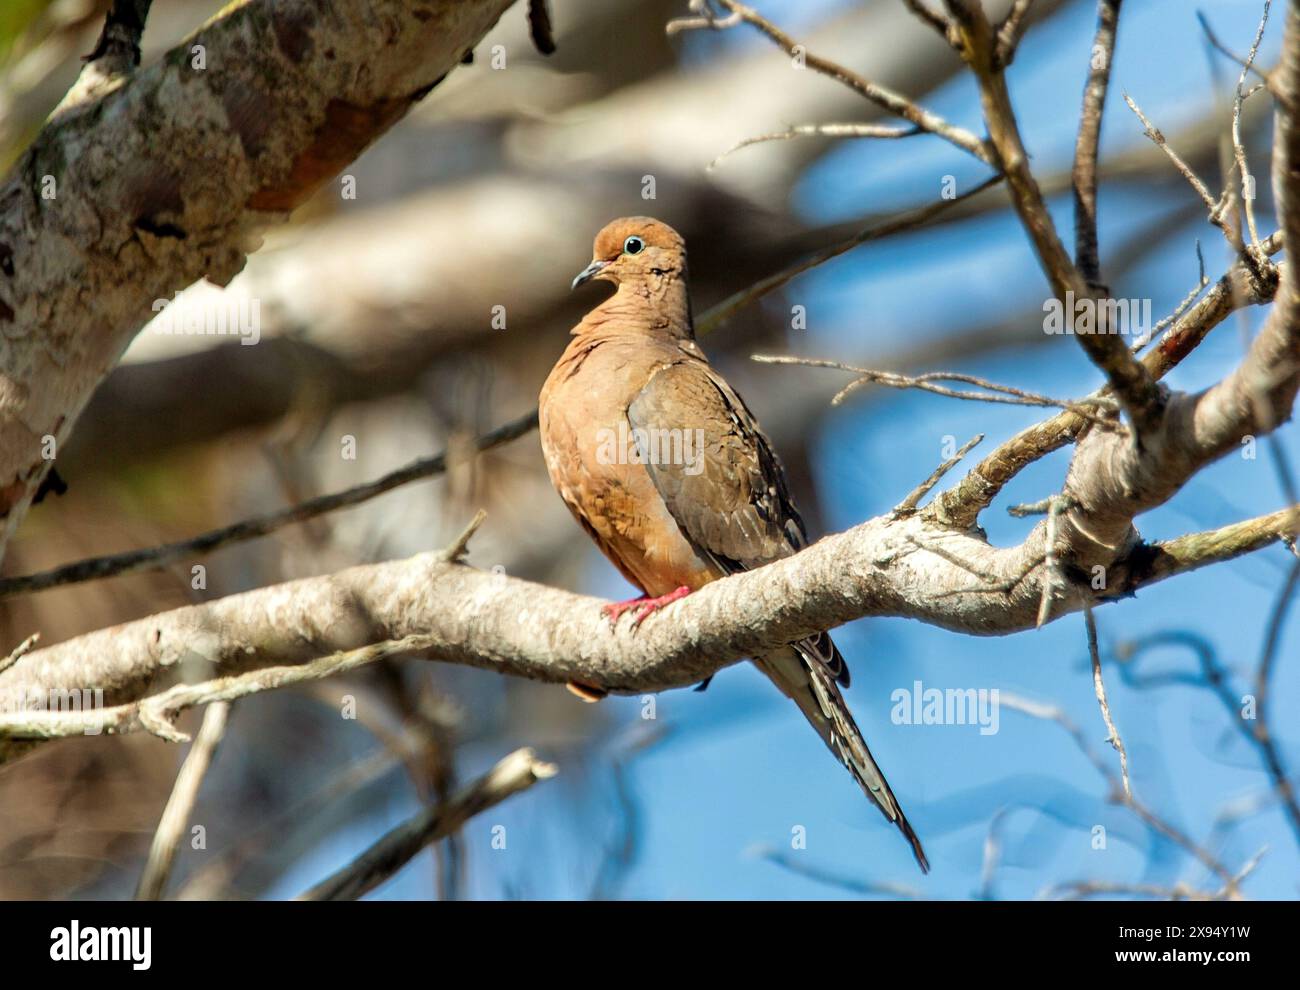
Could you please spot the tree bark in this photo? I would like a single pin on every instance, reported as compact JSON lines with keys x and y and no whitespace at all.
{"x":147,"y":182}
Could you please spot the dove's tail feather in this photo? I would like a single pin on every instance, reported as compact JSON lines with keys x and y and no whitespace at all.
{"x":812,"y":687}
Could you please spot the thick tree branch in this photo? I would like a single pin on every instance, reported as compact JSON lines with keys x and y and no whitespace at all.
{"x":885,"y":566}
{"x":165,"y":177}
{"x":123,"y":29}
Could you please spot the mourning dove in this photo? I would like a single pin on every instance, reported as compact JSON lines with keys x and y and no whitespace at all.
{"x":665,"y":467}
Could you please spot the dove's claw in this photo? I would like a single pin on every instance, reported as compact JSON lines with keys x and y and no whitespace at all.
{"x":652,"y":605}
{"x":614,"y":610}
{"x":643,"y":606}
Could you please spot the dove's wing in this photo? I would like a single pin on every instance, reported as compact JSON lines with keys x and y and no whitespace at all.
{"x":724,"y":486}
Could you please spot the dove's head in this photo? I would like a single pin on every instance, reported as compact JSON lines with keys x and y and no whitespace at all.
{"x":632,"y":250}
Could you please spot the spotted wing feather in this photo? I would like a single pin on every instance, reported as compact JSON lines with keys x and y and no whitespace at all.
{"x":727,"y":491}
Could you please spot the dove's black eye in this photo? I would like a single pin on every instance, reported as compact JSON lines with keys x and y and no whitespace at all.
{"x":633,"y":245}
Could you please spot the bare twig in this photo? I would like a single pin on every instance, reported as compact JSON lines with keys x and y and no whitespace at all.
{"x":1127,"y":799}
{"x":1239,"y":149}
{"x":1157,"y":137}
{"x":995,"y":393}
{"x":1181,"y":308}
{"x":883,"y":131}
{"x":1084,"y":173}
{"x":1011,"y":30}
{"x":154,"y":558}
{"x":1099,"y":686}
{"x":1214,"y":41}
{"x":1053,"y":576}
{"x":157,"y":713}
{"x":1129,"y":380}
{"x":1246,"y":870}
{"x":725,"y":310}
{"x":882,"y":96}
{"x":460,"y":546}
{"x":909,"y":504}
{"x":19,"y":651}
{"x":180,"y":805}
{"x":516,"y":772}
{"x":1256,"y":257}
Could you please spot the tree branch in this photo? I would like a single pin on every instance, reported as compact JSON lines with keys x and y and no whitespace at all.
{"x":882,"y":96}
{"x":180,"y":805}
{"x":1011,"y":30}
{"x":516,"y":772}
{"x":880,"y":131}
{"x":960,"y":507}
{"x":1084,"y":174}
{"x":157,"y":713}
{"x":717,"y":315}
{"x":166,"y":177}
{"x":270,"y":637}
{"x":1122,"y":795}
{"x":1128,"y":379}
{"x":152,"y":558}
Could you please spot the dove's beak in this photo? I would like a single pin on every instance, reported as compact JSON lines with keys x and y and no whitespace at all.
{"x":590,"y":272}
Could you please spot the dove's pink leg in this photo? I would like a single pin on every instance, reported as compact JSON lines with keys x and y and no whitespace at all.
{"x":643,"y":606}
{"x":614,"y":610}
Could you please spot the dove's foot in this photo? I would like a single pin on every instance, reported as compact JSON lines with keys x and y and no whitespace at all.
{"x":643,"y":606}
{"x":614,"y":610}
